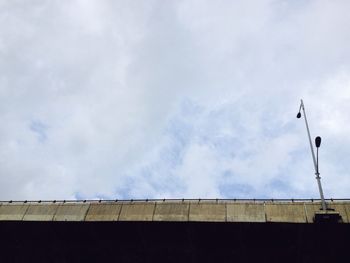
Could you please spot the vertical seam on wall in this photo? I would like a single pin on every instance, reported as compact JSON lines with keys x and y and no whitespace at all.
{"x":154,"y":211}
{"x":55,"y":213}
{"x":120,"y":211}
{"x":25,"y":212}
{"x":189,"y":209}
{"x":305,"y":211}
{"x":87,"y":210}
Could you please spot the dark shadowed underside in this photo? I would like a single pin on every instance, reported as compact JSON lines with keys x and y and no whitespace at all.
{"x":172,"y":242}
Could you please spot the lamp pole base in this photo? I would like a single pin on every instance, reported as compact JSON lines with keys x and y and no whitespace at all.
{"x":327,"y":216}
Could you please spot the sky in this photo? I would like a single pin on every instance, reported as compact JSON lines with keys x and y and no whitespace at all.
{"x":108,"y":99}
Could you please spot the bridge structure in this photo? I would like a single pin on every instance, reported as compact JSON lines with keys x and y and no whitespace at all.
{"x":175,"y":230}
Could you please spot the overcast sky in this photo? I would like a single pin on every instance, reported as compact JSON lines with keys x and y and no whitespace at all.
{"x":173,"y":99}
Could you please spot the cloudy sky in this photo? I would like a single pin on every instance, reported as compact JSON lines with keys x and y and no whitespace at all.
{"x":173,"y":99}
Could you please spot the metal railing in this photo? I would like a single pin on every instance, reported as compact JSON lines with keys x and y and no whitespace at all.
{"x":258,"y":200}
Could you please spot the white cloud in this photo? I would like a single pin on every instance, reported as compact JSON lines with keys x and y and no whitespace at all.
{"x":183,"y":99}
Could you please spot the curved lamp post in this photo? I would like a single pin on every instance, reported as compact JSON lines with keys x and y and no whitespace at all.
{"x":317,"y":143}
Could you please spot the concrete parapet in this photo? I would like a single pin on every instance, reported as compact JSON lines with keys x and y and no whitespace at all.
{"x":214,"y":212}
{"x":171,"y":211}
{"x":340,"y":208}
{"x":40,"y":212}
{"x":71,"y":212}
{"x":245,"y":212}
{"x":347,"y":210}
{"x":312,"y":208}
{"x":103,"y":212}
{"x":12,"y":211}
{"x":137,"y":211}
{"x":288,"y":212}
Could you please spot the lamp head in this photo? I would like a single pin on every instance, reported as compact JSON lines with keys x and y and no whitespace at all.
{"x":318,"y":141}
{"x":299,"y":115}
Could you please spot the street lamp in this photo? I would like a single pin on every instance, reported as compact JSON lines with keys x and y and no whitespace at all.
{"x":318,"y":144}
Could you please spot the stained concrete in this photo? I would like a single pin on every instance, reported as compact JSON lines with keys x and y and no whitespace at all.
{"x":178,"y":210}
{"x":103,"y":212}
{"x":12,"y":211}
{"x":311,"y":208}
{"x":340,"y":208}
{"x":287,"y":212}
{"x":40,"y":212}
{"x":347,"y":210}
{"x":71,"y":212}
{"x":215,"y":212}
{"x":245,"y":212}
{"x":137,"y":211}
{"x":171,"y":211}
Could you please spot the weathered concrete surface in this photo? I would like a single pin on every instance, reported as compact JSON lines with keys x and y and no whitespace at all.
{"x":178,"y":210}
{"x":171,"y":211}
{"x":12,"y":211}
{"x":40,"y":212}
{"x":103,"y":212}
{"x":287,"y":212}
{"x":311,"y":208}
{"x":138,"y":211}
{"x":71,"y":212}
{"x":245,"y":212}
{"x":340,"y":208}
{"x":347,"y":210}
{"x":215,"y":212}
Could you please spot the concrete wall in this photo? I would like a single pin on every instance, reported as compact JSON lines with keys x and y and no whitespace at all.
{"x":195,"y":211}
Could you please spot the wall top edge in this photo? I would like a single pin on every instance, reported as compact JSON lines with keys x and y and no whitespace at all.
{"x":211,"y":201}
